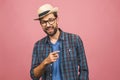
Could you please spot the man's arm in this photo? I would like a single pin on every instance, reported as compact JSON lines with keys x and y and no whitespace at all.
{"x":35,"y":63}
{"x":52,"y":57}
{"x":38,"y":68}
{"x":82,"y":62}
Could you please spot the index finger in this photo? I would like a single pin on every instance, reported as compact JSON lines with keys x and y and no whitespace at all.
{"x":55,"y":52}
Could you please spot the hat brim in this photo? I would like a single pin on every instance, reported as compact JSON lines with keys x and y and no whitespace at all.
{"x":51,"y":11}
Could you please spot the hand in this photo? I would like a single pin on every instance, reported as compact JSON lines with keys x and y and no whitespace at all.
{"x":52,"y":57}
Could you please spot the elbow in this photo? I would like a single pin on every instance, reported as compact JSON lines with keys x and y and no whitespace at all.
{"x":33,"y":75}
{"x":36,"y":73}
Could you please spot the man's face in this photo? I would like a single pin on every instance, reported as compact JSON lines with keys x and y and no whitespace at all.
{"x":49,"y":24}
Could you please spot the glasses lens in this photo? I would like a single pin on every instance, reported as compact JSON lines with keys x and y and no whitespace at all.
{"x":43,"y":22}
{"x":50,"y":21}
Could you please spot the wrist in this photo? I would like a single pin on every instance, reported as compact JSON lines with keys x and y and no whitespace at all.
{"x":45,"y":62}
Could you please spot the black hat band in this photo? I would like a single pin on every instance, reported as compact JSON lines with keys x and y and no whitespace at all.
{"x":43,"y":13}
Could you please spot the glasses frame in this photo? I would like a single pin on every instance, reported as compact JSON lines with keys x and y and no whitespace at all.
{"x":51,"y":21}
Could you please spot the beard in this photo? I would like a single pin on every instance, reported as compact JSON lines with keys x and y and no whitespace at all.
{"x":51,"y":30}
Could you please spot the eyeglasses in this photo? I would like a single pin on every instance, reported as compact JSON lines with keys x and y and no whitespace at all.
{"x":50,"y":21}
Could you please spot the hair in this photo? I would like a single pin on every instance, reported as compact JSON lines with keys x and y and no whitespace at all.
{"x":54,"y":13}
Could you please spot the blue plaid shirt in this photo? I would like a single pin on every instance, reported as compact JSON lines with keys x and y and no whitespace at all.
{"x":72,"y":56}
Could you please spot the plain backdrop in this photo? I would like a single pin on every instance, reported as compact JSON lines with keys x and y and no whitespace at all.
{"x":97,"y":22}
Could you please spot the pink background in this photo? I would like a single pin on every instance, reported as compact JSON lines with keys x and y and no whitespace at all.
{"x":96,"y":21}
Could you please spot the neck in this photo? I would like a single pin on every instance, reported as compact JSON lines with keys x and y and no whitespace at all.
{"x":55,"y":37}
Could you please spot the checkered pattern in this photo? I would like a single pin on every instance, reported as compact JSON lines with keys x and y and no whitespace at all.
{"x":72,"y":55}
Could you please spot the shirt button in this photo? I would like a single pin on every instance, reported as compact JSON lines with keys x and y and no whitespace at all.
{"x":50,"y":74}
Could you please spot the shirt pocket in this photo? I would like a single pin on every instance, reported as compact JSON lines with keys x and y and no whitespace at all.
{"x":69,"y":59}
{"x":69,"y":54}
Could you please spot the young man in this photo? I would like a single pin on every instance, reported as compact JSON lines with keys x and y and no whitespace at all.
{"x":59,"y":55}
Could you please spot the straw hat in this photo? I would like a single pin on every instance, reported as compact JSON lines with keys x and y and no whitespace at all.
{"x":46,"y":9}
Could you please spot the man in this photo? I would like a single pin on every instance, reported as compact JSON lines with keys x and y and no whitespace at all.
{"x":59,"y":55}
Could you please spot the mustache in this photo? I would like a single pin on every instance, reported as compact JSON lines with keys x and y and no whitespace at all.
{"x":48,"y":27}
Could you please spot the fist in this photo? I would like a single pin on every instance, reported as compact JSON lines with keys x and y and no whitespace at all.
{"x":52,"y":57}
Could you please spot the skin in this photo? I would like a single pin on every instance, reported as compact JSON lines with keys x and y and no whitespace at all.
{"x":53,"y":32}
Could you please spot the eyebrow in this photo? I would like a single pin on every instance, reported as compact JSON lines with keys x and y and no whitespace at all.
{"x":48,"y":19}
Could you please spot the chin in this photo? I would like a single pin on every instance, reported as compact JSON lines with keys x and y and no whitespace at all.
{"x":51,"y":34}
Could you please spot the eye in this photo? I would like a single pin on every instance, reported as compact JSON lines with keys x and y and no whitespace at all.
{"x":51,"y":19}
{"x":42,"y":22}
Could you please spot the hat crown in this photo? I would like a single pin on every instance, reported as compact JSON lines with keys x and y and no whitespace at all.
{"x":44,"y":8}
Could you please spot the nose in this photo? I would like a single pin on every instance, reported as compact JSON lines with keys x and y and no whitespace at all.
{"x":47,"y":24}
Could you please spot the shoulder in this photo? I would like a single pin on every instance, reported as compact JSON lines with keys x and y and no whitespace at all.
{"x":41,"y":41}
{"x":72,"y":35}
{"x":74,"y":38}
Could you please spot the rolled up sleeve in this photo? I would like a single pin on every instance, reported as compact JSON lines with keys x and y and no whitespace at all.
{"x":35,"y":63}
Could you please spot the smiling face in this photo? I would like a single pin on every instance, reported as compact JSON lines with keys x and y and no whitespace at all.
{"x":49,"y":24}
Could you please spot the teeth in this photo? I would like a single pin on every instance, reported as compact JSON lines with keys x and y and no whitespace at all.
{"x":48,"y":28}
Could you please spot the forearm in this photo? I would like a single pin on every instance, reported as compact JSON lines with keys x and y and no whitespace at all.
{"x":39,"y":70}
